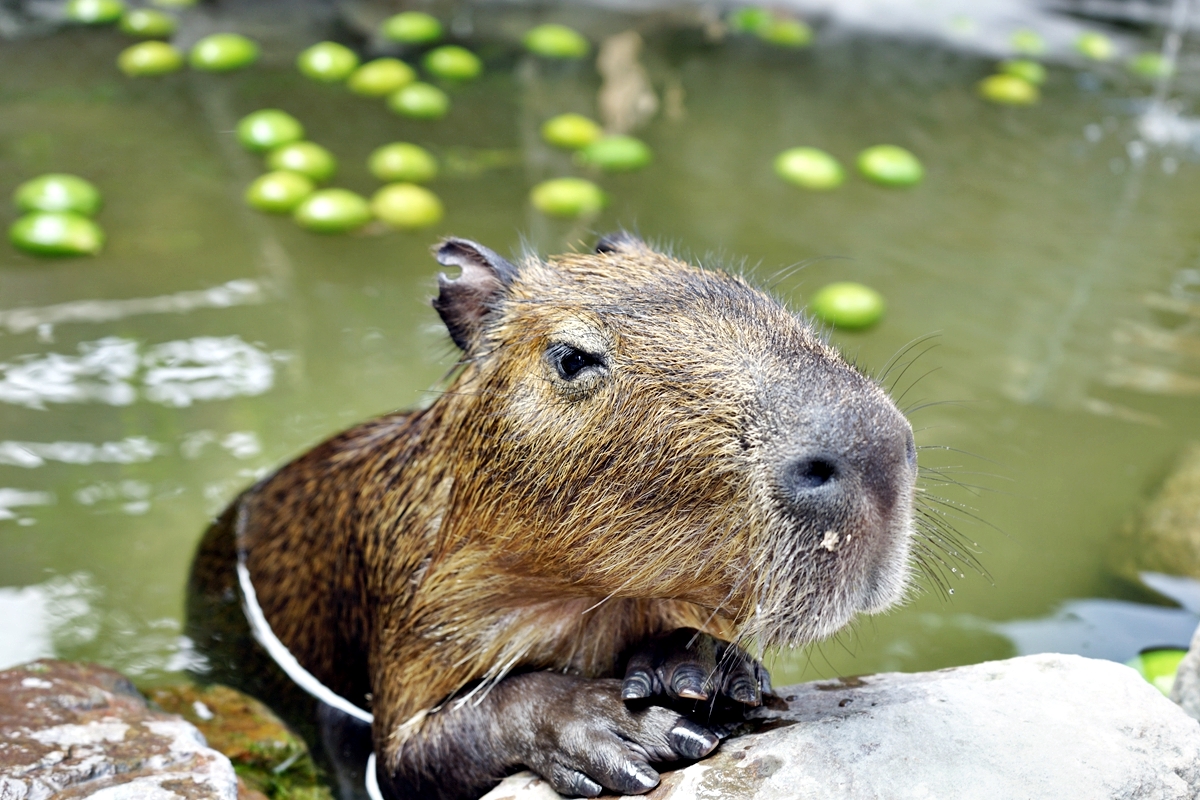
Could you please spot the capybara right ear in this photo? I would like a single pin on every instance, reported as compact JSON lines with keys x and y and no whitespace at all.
{"x":463,"y":301}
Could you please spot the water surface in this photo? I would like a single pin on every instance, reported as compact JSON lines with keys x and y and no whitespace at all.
{"x":1047,"y":264}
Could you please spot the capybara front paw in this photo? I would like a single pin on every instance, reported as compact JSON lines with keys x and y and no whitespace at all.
{"x":686,"y":664}
{"x":592,"y":741}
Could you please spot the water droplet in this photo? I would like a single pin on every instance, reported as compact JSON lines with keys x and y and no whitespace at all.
{"x":951,"y":591}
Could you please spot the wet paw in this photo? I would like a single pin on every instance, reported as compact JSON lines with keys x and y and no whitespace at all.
{"x":687,"y":665}
{"x":590,"y":741}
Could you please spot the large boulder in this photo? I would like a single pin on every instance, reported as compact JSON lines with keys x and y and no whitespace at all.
{"x":1038,"y":726}
{"x":1186,"y":689}
{"x":78,"y":730}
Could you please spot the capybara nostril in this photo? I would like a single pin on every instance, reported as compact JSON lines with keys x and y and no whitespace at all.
{"x":808,"y":474}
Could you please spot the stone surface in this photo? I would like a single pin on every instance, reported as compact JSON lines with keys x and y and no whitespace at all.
{"x":1038,"y":726}
{"x":1186,"y":691}
{"x":1166,"y":536}
{"x":77,"y":730}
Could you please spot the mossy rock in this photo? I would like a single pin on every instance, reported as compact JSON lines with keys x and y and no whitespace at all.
{"x":1165,"y":536}
{"x":266,"y":755}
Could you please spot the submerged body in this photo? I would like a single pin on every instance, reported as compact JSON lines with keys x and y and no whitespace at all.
{"x":631,"y":446}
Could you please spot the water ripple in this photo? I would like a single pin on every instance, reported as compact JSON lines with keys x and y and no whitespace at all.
{"x":234,"y":293}
{"x":131,"y":450}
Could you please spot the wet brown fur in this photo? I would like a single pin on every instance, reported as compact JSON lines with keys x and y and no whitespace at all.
{"x":520,"y":523}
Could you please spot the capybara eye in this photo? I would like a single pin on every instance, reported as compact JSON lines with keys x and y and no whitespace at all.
{"x":570,"y":361}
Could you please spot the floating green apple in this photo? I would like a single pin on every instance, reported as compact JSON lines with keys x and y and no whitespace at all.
{"x":810,"y":168}
{"x":556,"y":41}
{"x":333,"y":211}
{"x":407,"y":206}
{"x":56,"y":234}
{"x":149,"y":59}
{"x":568,"y":197}
{"x":327,"y":62}
{"x":402,"y":162}
{"x":890,"y":165}
{"x":279,"y":192}
{"x":223,"y":52}
{"x":267,"y":129}
{"x":412,"y":27}
{"x":381,"y":77}
{"x":58,"y":191}
{"x":847,"y":305}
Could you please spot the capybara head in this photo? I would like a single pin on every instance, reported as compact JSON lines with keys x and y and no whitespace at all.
{"x":629,"y":425}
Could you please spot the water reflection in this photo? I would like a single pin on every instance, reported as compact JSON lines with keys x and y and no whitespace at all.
{"x":1106,"y":628}
{"x":33,"y":617}
{"x":239,"y":444}
{"x":175,"y":373}
{"x":131,"y":450}
{"x":206,"y":368}
{"x":1102,"y":628}
{"x":100,"y":373}
{"x":12,"y":499}
{"x":131,"y":497}
{"x":63,"y":617}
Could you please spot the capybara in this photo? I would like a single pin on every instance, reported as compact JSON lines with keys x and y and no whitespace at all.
{"x":638,"y":468}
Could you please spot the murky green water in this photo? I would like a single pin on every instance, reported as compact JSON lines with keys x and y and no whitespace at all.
{"x":1043,"y":254}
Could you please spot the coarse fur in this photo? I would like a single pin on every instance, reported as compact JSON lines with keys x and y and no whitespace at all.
{"x":713,"y":464}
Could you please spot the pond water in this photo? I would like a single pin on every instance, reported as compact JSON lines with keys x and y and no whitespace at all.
{"x":1046,"y":267}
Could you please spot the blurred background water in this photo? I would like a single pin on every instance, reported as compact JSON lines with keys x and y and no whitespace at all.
{"x":1048,"y":268}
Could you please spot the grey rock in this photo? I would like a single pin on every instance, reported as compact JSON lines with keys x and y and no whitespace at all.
{"x":1032,"y":727}
{"x":78,"y":730}
{"x":1186,"y":689}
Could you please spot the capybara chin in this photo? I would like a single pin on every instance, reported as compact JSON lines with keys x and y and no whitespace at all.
{"x":637,"y":465}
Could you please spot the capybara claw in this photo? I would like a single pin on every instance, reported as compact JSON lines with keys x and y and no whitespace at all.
{"x":689,"y":665}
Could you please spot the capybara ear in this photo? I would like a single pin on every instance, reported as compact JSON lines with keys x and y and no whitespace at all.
{"x":463,"y":301}
{"x":621,"y":240}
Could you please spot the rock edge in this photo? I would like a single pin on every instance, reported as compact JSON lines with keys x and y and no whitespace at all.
{"x":1038,"y":726}
{"x":79,"y":730}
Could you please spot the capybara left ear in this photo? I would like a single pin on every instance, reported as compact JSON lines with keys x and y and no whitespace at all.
{"x":463,"y":302}
{"x":618,"y":241}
